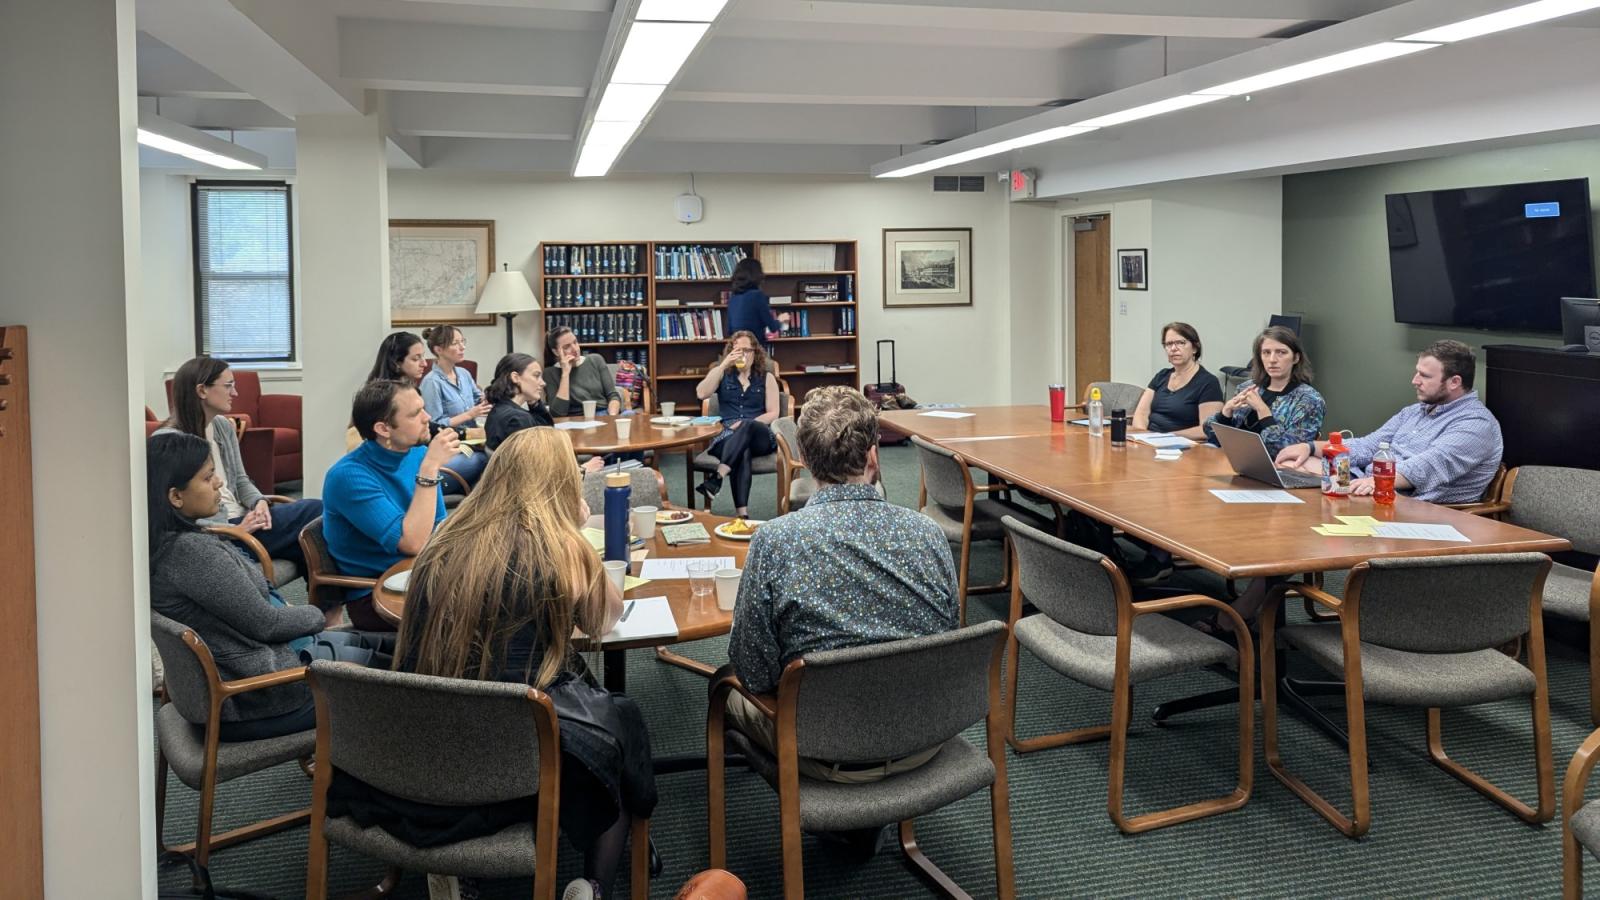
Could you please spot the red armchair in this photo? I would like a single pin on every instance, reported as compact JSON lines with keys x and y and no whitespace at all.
{"x":468,"y":364}
{"x":269,"y":437}
{"x":151,"y":423}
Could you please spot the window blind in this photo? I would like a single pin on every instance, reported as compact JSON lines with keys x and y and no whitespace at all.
{"x":244,"y":276}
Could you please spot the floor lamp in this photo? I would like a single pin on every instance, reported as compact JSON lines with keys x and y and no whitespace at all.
{"x":507,"y":294}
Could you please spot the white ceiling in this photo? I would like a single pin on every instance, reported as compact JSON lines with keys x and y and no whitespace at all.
{"x":781,"y":86}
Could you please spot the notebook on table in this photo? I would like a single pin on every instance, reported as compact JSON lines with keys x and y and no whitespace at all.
{"x":1248,"y":455}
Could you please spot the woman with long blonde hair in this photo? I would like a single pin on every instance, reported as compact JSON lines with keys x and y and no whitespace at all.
{"x":745,"y":383}
{"x":495,"y":596}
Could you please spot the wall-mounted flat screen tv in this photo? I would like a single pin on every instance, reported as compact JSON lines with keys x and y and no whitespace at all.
{"x":1498,"y":257}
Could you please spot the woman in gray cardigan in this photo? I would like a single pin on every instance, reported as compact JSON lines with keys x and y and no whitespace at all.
{"x":202,"y":581}
{"x":202,"y":397}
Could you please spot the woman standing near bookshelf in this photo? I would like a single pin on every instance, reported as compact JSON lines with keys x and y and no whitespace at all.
{"x":749,"y":307}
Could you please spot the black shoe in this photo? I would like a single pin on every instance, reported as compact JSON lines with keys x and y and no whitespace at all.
{"x":857,"y":844}
{"x":1149,"y":571}
{"x":711,"y":486}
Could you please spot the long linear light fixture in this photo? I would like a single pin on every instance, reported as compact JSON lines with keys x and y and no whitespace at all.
{"x":164,"y":134}
{"x":1515,"y":17}
{"x":661,"y":37}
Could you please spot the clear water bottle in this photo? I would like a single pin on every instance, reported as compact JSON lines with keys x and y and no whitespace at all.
{"x":1097,"y":413}
{"x":1383,"y":476}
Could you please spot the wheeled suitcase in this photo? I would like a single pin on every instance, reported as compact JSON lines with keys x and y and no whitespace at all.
{"x":889,"y":394}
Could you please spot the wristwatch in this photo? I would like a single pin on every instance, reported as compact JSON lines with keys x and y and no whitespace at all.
{"x":425,"y":481}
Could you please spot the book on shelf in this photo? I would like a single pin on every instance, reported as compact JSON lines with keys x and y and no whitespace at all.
{"x":700,"y":325}
{"x":784,"y":301}
{"x":696,"y":262}
{"x":592,"y":259}
{"x":569,"y":293}
{"x":668,"y":301}
{"x":601,"y":328}
{"x":699,"y":303}
{"x":779,"y":258}
{"x":829,"y":367}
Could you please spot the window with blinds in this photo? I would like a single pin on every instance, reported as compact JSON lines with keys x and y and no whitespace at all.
{"x":244,"y":271}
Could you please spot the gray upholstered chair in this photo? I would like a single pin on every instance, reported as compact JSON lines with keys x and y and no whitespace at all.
{"x":1561,"y":501}
{"x":449,"y":742}
{"x":795,"y":484}
{"x":949,"y":497}
{"x":1089,"y":629}
{"x":648,"y":489}
{"x":189,"y":742}
{"x":925,"y":691}
{"x":760,"y":465}
{"x":1114,"y":394}
{"x":1580,"y":821}
{"x":1422,"y":631}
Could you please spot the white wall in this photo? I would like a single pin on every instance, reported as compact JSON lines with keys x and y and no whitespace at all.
{"x":1034,"y":327}
{"x":168,"y":267}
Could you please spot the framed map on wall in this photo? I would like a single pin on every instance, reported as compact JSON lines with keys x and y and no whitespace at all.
{"x":927,"y":267}
{"x":437,"y":269}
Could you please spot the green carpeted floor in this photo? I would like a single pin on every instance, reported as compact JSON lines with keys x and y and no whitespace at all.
{"x":1431,"y":835}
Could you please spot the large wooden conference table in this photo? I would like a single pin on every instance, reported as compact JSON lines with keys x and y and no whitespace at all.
{"x":1170,"y":504}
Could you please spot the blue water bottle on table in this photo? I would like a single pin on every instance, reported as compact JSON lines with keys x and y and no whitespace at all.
{"x":619,"y":485}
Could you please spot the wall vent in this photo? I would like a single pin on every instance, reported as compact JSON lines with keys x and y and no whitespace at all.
{"x":950,"y":184}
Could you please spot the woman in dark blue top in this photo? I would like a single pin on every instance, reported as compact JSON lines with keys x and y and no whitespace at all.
{"x":746,"y":387}
{"x":1183,"y":395}
{"x":749,"y":307}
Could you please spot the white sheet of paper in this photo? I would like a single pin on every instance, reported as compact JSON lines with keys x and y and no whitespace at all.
{"x":1161,"y":440}
{"x":679,"y":567}
{"x":1256,"y":496}
{"x":648,"y":617}
{"x":577,"y":426}
{"x":1083,"y":422}
{"x":1416,"y":531}
{"x":1172,"y":455}
{"x":946,"y":414}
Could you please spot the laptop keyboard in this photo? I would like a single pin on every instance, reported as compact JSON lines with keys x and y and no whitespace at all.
{"x":1297,"y":478}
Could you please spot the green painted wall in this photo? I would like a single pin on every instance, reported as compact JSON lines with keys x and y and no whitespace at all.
{"x":1336,"y":270}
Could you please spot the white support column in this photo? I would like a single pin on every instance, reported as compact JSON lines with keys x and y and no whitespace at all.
{"x":69,"y":271}
{"x":343,"y":197}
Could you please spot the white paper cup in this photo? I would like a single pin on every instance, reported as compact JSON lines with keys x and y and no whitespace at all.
{"x":727,"y":587}
{"x":668,"y":407}
{"x":617,"y":571}
{"x":588,"y":409}
{"x":624,"y":429}
{"x":644,"y":522}
{"x":702,"y":579}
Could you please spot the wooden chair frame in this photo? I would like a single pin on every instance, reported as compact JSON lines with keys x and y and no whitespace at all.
{"x":782,"y":711}
{"x":1122,"y":705}
{"x":789,"y":463}
{"x":317,"y":577}
{"x":1349,"y":613}
{"x":249,"y":540}
{"x":964,"y":563}
{"x":217,"y":692}
{"x":1577,"y":778}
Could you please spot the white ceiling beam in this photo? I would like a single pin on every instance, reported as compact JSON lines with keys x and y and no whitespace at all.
{"x":777,"y":71}
{"x":1171,"y":18}
{"x":429,"y":114}
{"x":166,"y":72}
{"x":210,"y":114}
{"x":277,"y":51}
{"x":480,"y":155}
{"x":403,"y":151}
{"x":758,"y":123}
{"x":410,"y":56}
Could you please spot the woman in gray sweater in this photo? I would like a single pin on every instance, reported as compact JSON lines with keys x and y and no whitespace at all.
{"x":207,"y":584}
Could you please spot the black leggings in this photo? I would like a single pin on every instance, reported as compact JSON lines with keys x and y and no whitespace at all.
{"x":736,"y":448}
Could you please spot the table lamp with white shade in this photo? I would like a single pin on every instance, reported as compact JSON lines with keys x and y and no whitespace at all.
{"x":507,"y":294}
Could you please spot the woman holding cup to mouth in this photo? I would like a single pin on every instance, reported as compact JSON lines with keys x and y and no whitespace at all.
{"x":746,"y":389}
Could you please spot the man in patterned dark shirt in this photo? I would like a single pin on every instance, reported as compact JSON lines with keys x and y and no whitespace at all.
{"x":848,"y":570}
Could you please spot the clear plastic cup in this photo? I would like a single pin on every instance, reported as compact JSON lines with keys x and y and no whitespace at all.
{"x":624,"y":429}
{"x":727,"y":587}
{"x":702,"y":578}
{"x":668,"y":408}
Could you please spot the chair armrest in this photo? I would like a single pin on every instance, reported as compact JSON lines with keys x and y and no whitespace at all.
{"x":1480,"y":508}
{"x":241,"y":423}
{"x":261,"y":682}
{"x":1241,"y":630}
{"x":991,"y":488}
{"x":346,"y":581}
{"x":661,"y":484}
{"x":279,"y":411}
{"x":1309,"y":592}
{"x":724,"y":681}
{"x":250,"y":542}
{"x":276,"y":499}
{"x":1577,"y":777}
{"x":466,"y":486}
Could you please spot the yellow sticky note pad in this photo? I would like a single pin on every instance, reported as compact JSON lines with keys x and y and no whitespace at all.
{"x":1346,"y":530}
{"x":632,"y":582}
{"x":1366,"y":521}
{"x":597,"y":539}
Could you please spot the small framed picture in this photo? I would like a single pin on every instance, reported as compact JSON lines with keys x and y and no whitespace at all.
{"x":437,"y":269}
{"x":927,"y":267}
{"x":1133,"y":269}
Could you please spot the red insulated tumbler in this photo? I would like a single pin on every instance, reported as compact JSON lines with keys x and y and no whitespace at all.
{"x":1058,"y":402}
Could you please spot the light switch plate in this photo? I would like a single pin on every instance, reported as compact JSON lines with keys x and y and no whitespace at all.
{"x":1122,"y":308}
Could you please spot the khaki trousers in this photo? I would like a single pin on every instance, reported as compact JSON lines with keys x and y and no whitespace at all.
{"x":749,"y":721}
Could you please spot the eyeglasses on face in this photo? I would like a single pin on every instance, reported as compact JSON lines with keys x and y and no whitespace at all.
{"x":1175,"y":345}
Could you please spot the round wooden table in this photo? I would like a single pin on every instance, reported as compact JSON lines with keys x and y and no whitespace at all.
{"x":644,"y":435}
{"x":697,"y":617}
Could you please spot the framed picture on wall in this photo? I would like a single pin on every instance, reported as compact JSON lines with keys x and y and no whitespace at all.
{"x":927,"y":267}
{"x":437,"y":269}
{"x":1133,"y":269}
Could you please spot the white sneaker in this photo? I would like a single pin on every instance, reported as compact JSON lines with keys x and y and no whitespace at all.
{"x":580,"y":889}
{"x":444,"y":887}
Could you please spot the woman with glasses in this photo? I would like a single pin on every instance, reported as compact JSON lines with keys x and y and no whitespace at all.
{"x":1184,"y":394}
{"x":452,"y":398}
{"x":745,"y":384}
{"x":202,"y":397}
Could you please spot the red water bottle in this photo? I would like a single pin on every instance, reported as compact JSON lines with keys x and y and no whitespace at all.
{"x":1383,"y":476}
{"x":1336,"y":467}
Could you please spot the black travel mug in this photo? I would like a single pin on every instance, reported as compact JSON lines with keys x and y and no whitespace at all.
{"x":1119,"y":428}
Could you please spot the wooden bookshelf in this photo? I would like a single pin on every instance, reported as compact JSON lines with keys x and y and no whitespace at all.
{"x":700,"y":273}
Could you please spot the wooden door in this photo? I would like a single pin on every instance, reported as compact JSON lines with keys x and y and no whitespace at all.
{"x":1091,"y":307}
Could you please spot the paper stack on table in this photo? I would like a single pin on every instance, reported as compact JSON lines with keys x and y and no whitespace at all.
{"x":678,"y":568}
{"x":1255,"y":496}
{"x":1367,"y":526}
{"x":647,"y":617}
{"x":946,"y":414}
{"x":1162,"y":440}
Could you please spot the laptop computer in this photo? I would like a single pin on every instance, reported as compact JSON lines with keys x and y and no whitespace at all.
{"x":1248,"y":455}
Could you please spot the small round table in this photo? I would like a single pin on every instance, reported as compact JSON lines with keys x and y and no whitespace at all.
{"x":645,"y":435}
{"x":697,"y":617}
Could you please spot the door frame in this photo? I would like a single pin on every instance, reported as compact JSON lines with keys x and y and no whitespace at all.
{"x":1069,"y":300}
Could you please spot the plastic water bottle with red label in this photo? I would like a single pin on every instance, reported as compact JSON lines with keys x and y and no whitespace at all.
{"x":1383,"y":476}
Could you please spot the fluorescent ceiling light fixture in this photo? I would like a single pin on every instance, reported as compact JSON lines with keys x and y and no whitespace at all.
{"x":1027,"y":140}
{"x":610,"y":133}
{"x":679,"y":10}
{"x":627,"y":102}
{"x":655,"y":51}
{"x":596,"y":159}
{"x":191,"y":143}
{"x":1504,"y":20}
{"x":1326,"y":65}
{"x":1171,"y":104}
